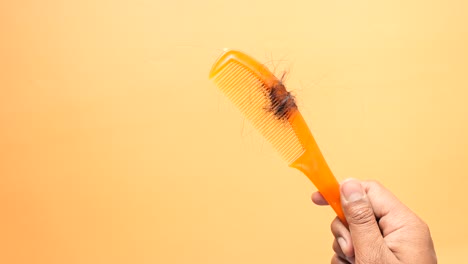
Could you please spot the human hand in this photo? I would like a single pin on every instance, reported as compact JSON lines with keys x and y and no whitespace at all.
{"x":381,"y":228}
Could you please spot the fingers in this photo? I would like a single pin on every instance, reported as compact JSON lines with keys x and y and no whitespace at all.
{"x":395,"y":218}
{"x":337,"y":248}
{"x":318,"y":199}
{"x":365,"y":233}
{"x":392,"y":213}
{"x":339,"y":253}
{"x":339,"y":260}
{"x":372,"y":213}
{"x":343,"y":244}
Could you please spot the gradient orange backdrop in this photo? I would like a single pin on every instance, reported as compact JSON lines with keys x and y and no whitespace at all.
{"x":116,"y":148}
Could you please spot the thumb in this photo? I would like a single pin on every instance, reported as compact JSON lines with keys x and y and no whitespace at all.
{"x":365,"y":233}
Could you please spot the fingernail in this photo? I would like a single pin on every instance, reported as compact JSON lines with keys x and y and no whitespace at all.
{"x":352,"y":190}
{"x":342,"y":243}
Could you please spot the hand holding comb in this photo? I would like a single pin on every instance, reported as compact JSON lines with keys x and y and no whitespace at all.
{"x":270,"y":108}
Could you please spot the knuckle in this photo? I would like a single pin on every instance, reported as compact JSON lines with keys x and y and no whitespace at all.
{"x":336,"y":248}
{"x":421,"y":225}
{"x":334,"y":226}
{"x":335,"y":260}
{"x":374,"y":184}
{"x":360,"y":214}
{"x":424,"y":227}
{"x":338,"y":260}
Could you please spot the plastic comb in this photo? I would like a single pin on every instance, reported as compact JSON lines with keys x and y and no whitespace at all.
{"x":264,"y":101}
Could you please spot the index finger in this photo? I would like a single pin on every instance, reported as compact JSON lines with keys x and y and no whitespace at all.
{"x":318,"y":199}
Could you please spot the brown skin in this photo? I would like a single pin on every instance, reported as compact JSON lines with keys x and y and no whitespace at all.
{"x":398,"y":237}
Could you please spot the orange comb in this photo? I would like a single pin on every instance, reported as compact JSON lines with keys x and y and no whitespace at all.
{"x":264,"y":101}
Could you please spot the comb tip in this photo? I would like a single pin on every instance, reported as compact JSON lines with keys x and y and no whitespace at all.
{"x":221,"y":61}
{"x":229,"y":55}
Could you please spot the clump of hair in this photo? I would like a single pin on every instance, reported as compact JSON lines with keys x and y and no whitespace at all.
{"x":282,"y":102}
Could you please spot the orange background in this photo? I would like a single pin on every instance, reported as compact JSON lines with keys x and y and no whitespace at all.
{"x":116,"y":148}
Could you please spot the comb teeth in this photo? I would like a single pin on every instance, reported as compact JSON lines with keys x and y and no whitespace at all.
{"x":248,"y":93}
